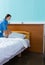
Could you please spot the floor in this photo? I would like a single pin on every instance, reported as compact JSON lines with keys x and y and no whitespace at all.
{"x":27,"y":58}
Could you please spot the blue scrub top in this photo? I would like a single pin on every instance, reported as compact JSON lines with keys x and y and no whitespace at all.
{"x":3,"y":27}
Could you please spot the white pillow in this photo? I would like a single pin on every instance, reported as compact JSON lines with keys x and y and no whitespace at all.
{"x":16,"y":35}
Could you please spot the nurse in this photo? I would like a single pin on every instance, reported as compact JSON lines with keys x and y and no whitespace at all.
{"x":4,"y":26}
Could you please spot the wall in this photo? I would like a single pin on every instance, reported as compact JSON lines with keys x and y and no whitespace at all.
{"x":23,"y":10}
{"x":36,"y":35}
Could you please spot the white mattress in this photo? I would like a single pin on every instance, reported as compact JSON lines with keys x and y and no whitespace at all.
{"x":10,"y":47}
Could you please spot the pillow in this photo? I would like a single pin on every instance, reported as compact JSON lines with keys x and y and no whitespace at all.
{"x":16,"y":35}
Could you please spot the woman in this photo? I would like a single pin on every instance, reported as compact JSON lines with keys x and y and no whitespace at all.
{"x":4,"y":26}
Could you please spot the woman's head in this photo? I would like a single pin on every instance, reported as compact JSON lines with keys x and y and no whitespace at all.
{"x":8,"y":17}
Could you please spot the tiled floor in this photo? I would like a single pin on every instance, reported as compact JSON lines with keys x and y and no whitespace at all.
{"x":27,"y":59}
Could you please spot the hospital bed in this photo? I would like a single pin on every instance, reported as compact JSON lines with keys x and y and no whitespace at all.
{"x":10,"y":47}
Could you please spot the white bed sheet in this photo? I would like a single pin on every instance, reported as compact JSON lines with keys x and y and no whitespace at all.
{"x":7,"y":59}
{"x":10,"y":47}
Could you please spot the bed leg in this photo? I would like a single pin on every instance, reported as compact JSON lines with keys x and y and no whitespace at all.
{"x":19,"y":55}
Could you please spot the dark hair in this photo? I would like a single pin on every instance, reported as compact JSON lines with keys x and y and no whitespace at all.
{"x":7,"y":16}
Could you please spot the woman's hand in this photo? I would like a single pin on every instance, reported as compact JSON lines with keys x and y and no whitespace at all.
{"x":6,"y":33}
